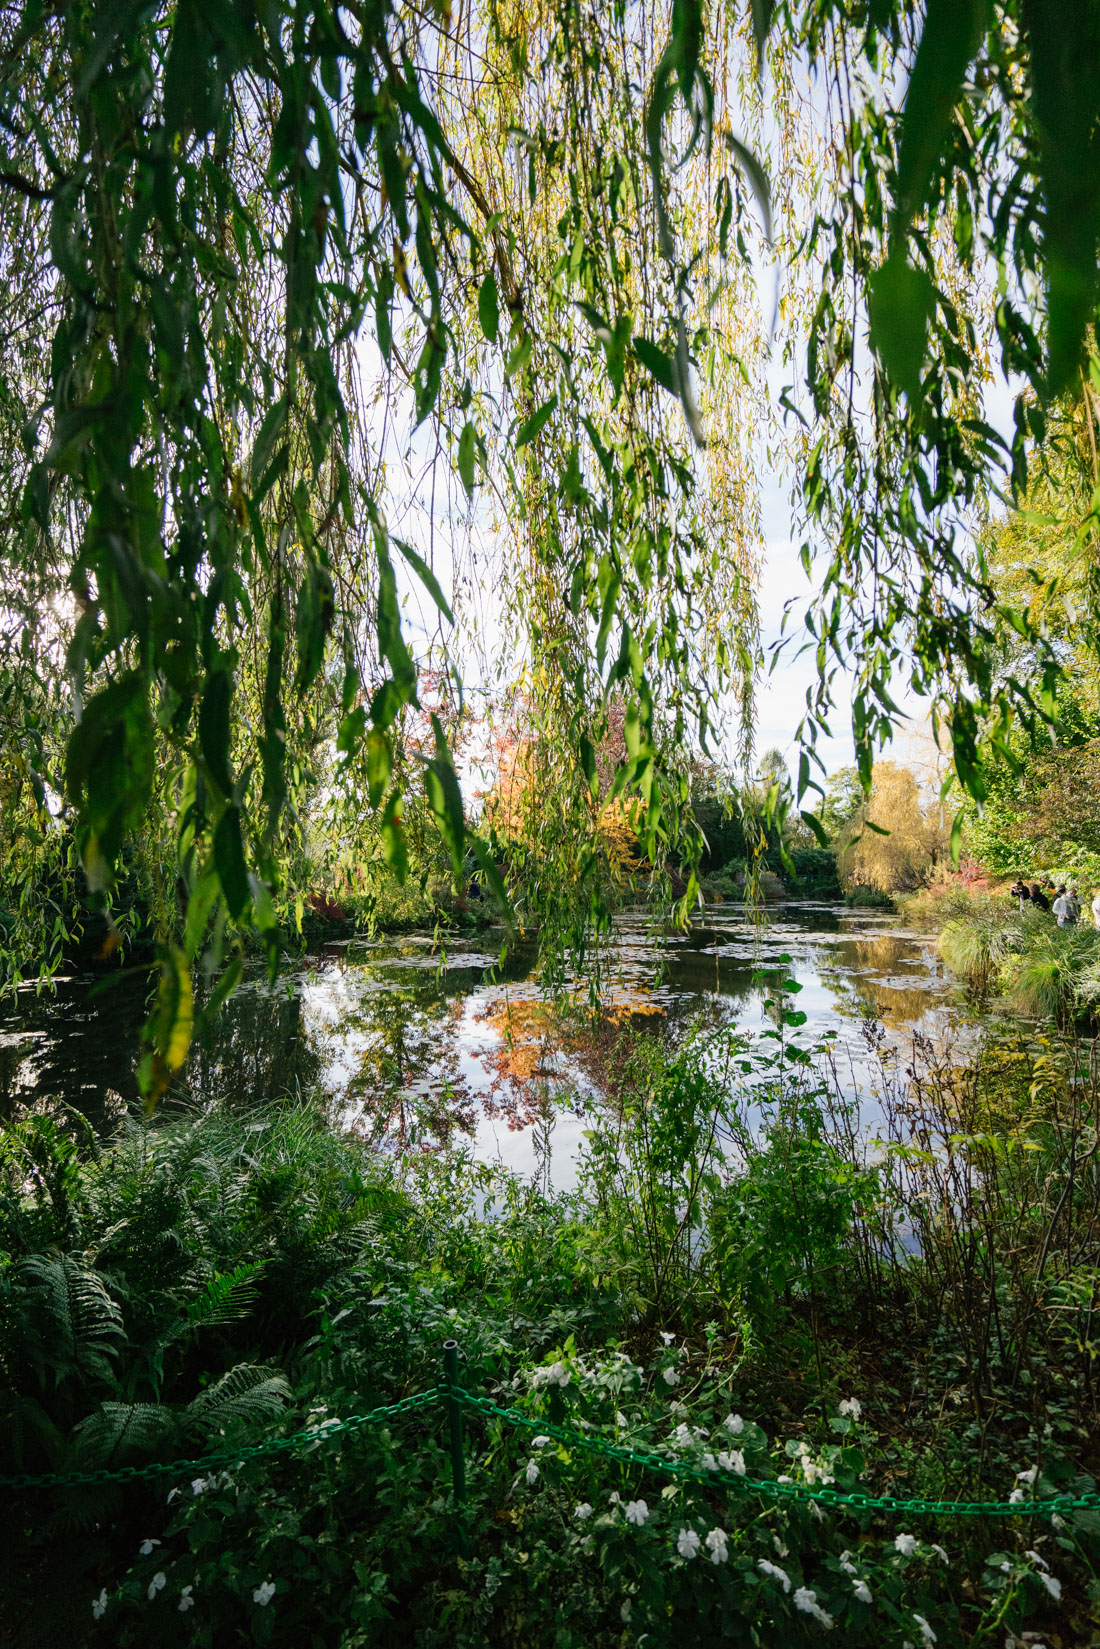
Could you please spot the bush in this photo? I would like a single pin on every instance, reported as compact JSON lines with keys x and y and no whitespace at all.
{"x":815,"y":870}
{"x":861,"y":897}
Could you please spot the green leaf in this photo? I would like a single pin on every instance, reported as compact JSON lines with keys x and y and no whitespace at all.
{"x":956,"y":839}
{"x":657,"y":363}
{"x":214,"y":733}
{"x":379,"y":765}
{"x":466,"y":457}
{"x":900,"y":302}
{"x":537,"y":421}
{"x":445,"y":797}
{"x":761,"y":23}
{"x":230,"y":862}
{"x":813,"y":824}
{"x":485,"y":859}
{"x":395,"y":848}
{"x":109,"y":772}
{"x":952,"y":33}
{"x":488,"y":307}
{"x":757,"y":178}
{"x":426,"y":576}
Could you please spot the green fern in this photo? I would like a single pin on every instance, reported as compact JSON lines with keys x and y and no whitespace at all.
{"x":118,"y":1433}
{"x":244,"y":1393}
{"x":65,"y":1323}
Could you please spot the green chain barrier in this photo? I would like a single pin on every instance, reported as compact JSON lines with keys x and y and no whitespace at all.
{"x":449,"y":1391}
{"x":773,"y":1490}
{"x":226,"y":1457}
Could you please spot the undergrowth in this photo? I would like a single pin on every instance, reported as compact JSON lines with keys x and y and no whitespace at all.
{"x":749,"y":1274}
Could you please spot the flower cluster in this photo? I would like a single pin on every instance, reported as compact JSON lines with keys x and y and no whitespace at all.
{"x":805,"y":1599}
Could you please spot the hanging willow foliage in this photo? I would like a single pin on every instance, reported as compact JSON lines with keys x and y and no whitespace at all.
{"x":238,"y":239}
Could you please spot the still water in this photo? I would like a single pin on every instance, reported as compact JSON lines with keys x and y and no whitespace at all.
{"x":418,"y":1045}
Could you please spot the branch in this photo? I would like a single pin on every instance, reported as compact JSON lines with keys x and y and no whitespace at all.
{"x":24,"y":186}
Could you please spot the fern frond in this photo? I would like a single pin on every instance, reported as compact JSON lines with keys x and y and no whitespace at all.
{"x":243,"y":1393}
{"x":65,"y":1319}
{"x":226,"y":1298}
{"x":117,"y":1432}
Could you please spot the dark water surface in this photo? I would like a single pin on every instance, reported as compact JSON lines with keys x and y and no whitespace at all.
{"x":421,"y":1045}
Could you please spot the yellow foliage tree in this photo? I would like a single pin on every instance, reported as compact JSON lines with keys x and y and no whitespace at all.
{"x":895,"y":838}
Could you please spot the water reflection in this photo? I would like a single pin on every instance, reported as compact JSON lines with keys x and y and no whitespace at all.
{"x":418,"y":1047}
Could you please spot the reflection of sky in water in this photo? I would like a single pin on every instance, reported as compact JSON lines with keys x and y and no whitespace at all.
{"x":450,"y":1030}
{"x":419,"y":1045}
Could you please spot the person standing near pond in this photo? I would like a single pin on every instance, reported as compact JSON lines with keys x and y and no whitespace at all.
{"x":1039,"y":898}
{"x":1095,"y":907}
{"x":1020,"y":890}
{"x":1065,"y":908}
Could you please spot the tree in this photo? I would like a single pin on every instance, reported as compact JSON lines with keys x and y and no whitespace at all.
{"x":843,"y":799}
{"x":896,"y":838}
{"x":212,"y":216}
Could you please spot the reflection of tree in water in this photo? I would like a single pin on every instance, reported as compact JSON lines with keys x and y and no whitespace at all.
{"x":854,"y":972}
{"x":256,"y":1050}
{"x":540,"y":1050}
{"x":405,"y":1083}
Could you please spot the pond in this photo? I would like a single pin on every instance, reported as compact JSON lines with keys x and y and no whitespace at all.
{"x":420,"y":1045}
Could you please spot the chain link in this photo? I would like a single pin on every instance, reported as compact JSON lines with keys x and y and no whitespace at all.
{"x":226,"y":1457}
{"x":765,"y":1488}
{"x":770,"y":1489}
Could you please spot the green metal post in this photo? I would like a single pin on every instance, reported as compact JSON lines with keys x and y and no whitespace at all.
{"x":454,"y":1411}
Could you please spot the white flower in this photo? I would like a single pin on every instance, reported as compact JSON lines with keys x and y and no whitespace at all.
{"x":1037,"y":1557}
{"x":783,"y":1478}
{"x":847,"y":1567}
{"x":718,"y":1546}
{"x":539,"y":1442}
{"x":688,"y":1543}
{"x":198,"y":1485}
{"x":172,"y":1493}
{"x":532,"y":1472}
{"x":186,"y":1600}
{"x":806,"y":1599}
{"x":906,"y":1544}
{"x":1029,"y":1476}
{"x":1054,"y":1587}
{"x":734,"y":1462}
{"x":625,"y":1610}
{"x":815,"y":1510}
{"x":852,"y":1406}
{"x":264,"y":1594}
{"x":158,"y":1582}
{"x":147,"y":1546}
{"x":926,"y":1632}
{"x":636,"y":1512}
{"x":775,"y":1571}
{"x":667,"y":1337}
{"x":734,"y":1424}
{"x":99,"y":1605}
{"x":682,"y":1436}
{"x":583,"y":1511}
{"x":555,"y":1374}
{"x":709,"y":1463}
{"x":1016,"y":1497}
{"x":679,"y":1410}
{"x":862,"y":1591}
{"x":615,"y":1498}
{"x":620,"y":1418}
{"x":670,"y":1377}
{"x":783,"y":1551}
{"x":1057,"y":1522}
{"x":940,"y":1553}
